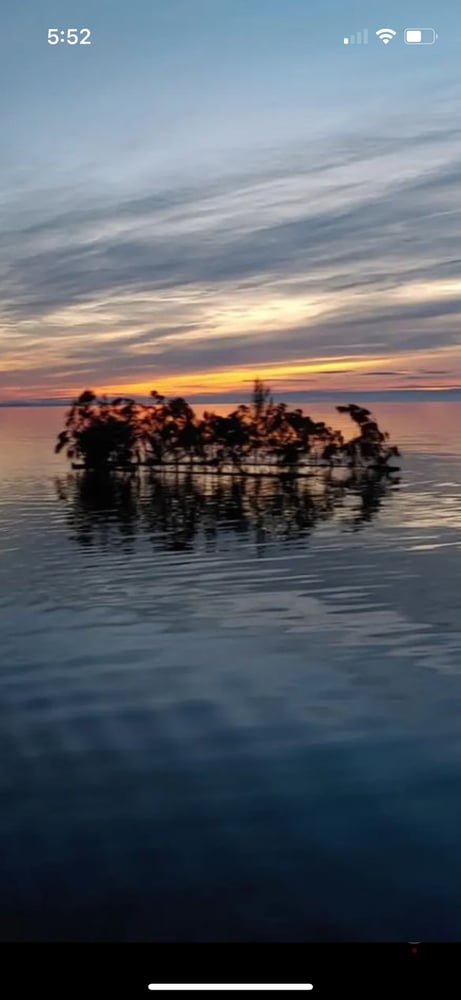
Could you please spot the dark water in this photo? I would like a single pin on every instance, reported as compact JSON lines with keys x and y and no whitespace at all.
{"x":231,"y":716}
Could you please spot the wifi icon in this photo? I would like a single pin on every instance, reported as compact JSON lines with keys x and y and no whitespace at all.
{"x":386,"y":34}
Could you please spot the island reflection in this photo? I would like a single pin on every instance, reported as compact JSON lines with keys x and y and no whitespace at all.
{"x":184,"y":510}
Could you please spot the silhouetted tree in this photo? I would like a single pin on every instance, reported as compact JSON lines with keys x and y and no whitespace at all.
{"x":103,"y":434}
{"x":370,"y":447}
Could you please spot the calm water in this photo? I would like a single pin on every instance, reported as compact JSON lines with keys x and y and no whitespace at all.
{"x":231,"y":715}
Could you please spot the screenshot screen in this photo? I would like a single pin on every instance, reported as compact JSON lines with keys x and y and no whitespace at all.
{"x":230,"y":473}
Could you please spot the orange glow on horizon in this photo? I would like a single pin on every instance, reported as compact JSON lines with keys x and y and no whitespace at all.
{"x":235,"y":379}
{"x":299,"y":375}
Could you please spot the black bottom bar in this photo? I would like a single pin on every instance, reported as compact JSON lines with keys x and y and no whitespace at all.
{"x":335,"y":971}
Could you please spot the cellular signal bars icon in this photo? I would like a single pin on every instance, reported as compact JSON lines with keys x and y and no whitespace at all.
{"x":360,"y":38}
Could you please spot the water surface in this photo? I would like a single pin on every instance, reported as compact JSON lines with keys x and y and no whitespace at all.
{"x":231,"y":716}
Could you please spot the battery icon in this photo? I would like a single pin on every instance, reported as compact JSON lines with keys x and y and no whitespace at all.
{"x":419,"y":36}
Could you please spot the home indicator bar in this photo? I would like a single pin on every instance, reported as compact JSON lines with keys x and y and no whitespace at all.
{"x":230,"y":986}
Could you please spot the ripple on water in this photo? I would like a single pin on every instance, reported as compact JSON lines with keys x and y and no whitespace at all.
{"x":231,"y":719}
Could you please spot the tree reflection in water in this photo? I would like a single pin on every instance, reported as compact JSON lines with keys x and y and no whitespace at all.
{"x":185,"y":511}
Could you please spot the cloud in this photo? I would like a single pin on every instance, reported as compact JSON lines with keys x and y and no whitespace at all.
{"x":317,"y":258}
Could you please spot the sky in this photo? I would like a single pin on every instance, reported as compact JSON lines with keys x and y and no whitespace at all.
{"x":219,"y":189}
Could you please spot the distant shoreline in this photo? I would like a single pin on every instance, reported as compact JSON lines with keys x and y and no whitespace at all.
{"x":388,"y":396}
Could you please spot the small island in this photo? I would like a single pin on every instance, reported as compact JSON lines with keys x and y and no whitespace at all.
{"x":261,"y":438}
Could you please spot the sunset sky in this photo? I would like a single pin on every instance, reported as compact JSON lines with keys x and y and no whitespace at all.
{"x":218,"y":188}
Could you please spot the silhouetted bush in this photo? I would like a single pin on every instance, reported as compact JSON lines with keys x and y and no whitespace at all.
{"x":262,"y":437}
{"x":102,"y":433}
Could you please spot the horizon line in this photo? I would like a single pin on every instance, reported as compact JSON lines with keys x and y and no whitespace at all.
{"x":314,"y":395}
